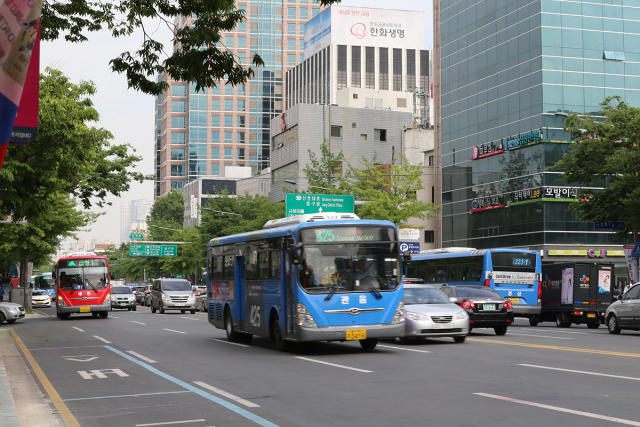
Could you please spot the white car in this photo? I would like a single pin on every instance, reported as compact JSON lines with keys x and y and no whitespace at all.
{"x":40,"y":299}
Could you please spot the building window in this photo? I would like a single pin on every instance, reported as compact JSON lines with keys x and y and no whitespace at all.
{"x":291,"y":44}
{"x":215,"y":105}
{"x":355,"y":96}
{"x":614,"y":56}
{"x":215,"y":121}
{"x":411,"y":69}
{"x":314,"y":12}
{"x":177,"y":170}
{"x":227,"y":153}
{"x":240,"y":137}
{"x":301,"y":44}
{"x":431,"y":158}
{"x":215,"y":153}
{"x":291,"y":13}
{"x":291,"y":60}
{"x":370,"y":68}
{"x":215,"y":168}
{"x":424,"y":70}
{"x":179,"y":90}
{"x":401,"y":103}
{"x":177,"y":185}
{"x":228,"y":105}
{"x":242,"y":58}
{"x":228,"y":137}
{"x":301,"y":26}
{"x":242,"y":26}
{"x":336,"y":131}
{"x":304,"y":14}
{"x":363,"y":136}
{"x":177,"y":154}
{"x":178,"y":138}
{"x":397,"y":70}
{"x":429,"y":236}
{"x":240,"y":105}
{"x":240,"y":89}
{"x":228,"y":41}
{"x":291,"y":29}
{"x":380,"y":135}
{"x":301,"y":57}
{"x":215,"y":90}
{"x":178,"y":107}
{"x":240,"y":153}
{"x":242,"y":42}
{"x":342,"y":66}
{"x":240,"y":121}
{"x":198,"y":118}
{"x":355,"y":66}
{"x":177,"y":122}
{"x":215,"y":137}
{"x":228,"y":121}
{"x":383,"y":68}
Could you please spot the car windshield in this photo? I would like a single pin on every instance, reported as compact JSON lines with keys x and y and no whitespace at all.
{"x":176,"y":285}
{"x":120,"y":290}
{"x":477,"y":292}
{"x":34,"y":293}
{"x":83,"y":278}
{"x":424,"y":296}
{"x":360,"y":267}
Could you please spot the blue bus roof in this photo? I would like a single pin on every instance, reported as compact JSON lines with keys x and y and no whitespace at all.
{"x":291,"y":230}
{"x":469,"y":253}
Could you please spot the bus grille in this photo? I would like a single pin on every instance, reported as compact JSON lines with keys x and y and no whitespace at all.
{"x":217,"y":310}
{"x":441,"y":319}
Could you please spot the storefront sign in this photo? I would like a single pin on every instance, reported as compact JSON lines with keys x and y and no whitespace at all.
{"x":486,"y":150}
{"x":409,"y":233}
{"x":412,"y":248}
{"x":524,"y":140}
{"x":591,"y":253}
{"x":609,"y":226}
{"x":560,"y":193}
{"x":528,"y":194}
{"x":486,"y":203}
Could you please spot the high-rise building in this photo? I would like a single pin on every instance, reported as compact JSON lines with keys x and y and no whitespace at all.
{"x":202,"y":132}
{"x":133,"y":217}
{"x":507,"y":73}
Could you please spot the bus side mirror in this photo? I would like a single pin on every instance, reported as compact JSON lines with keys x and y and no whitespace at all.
{"x":53,"y":273}
{"x":112,"y":276}
{"x":406,"y":257}
{"x":296,"y":253}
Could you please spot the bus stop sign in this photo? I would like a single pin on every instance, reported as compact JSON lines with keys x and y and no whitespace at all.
{"x":299,"y":204}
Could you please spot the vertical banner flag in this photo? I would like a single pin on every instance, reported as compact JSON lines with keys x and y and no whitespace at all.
{"x":632,"y":264}
{"x":19,"y":31}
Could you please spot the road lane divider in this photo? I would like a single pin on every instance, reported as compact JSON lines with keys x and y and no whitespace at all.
{"x":139,"y":323}
{"x":229,"y":342}
{"x":62,"y":408}
{"x":43,"y":313}
{"x":128,"y":395}
{"x":190,"y":318}
{"x":542,"y":336}
{"x":551,"y":347}
{"x":551,"y":330}
{"x":102,"y":339}
{"x":232,"y":407}
{"x":171,"y":330}
{"x":405,"y":349}
{"x":78,"y":329}
{"x":333,"y":364}
{"x":139,"y":356}
{"x":171,"y":422}
{"x":226,"y":394}
{"x":560,"y":409}
{"x":580,"y":372}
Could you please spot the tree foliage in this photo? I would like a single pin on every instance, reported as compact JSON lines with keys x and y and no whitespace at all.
{"x":197,"y":54}
{"x":324,"y":173}
{"x":167,"y":211}
{"x":607,"y":155}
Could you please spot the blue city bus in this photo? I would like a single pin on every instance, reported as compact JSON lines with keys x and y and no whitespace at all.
{"x":514,"y":273}
{"x":321,"y":277}
{"x":46,"y":282}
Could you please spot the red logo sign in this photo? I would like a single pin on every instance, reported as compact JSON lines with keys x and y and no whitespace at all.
{"x":283,"y":124}
{"x":359,"y":30}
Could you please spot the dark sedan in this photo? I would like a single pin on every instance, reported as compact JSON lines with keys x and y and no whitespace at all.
{"x":486,"y":308}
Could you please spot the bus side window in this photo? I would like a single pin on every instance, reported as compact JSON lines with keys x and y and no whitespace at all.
{"x":229,"y":266}
{"x":217,"y":268}
{"x":251,"y":263}
{"x":263,"y":265}
{"x":275,"y":264}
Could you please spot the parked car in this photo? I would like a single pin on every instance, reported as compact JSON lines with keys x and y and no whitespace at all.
{"x":625,"y":313}
{"x":201,"y":302}
{"x":147,"y":296}
{"x":412,"y":281}
{"x":138,"y":291}
{"x":172,"y":294}
{"x":40,"y":298}
{"x":486,"y":308}
{"x":429,"y":313}
{"x":11,"y":312}
{"x":122,"y":297}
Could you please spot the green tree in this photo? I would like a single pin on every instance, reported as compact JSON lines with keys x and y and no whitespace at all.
{"x":197,"y":54}
{"x":325,"y":171}
{"x":167,"y":211}
{"x":607,"y":155}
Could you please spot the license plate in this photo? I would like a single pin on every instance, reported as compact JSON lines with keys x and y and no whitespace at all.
{"x":40,"y":302}
{"x":85,"y":309}
{"x":180,"y":305}
{"x":489,"y":306}
{"x":123,"y":303}
{"x":357,"y":334}
{"x":591,"y":315}
{"x":515,"y":300}
{"x":440,"y":326}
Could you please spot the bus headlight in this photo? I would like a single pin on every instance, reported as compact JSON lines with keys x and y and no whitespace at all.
{"x":305,"y":318}
{"x":61,"y":302}
{"x":398,"y":317}
{"x":107,"y":300}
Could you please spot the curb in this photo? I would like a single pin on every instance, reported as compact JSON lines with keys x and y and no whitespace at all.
{"x":8,"y":413}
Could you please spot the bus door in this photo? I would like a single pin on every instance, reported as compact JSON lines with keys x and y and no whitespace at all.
{"x":290,"y":299}
{"x":241,"y":296}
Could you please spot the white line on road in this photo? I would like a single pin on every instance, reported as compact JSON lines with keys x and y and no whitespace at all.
{"x":227,"y":395}
{"x":115,"y":317}
{"x":139,"y":323}
{"x":551,"y":330}
{"x":333,"y":364}
{"x":171,"y":422}
{"x":139,"y":356}
{"x":542,"y":336}
{"x":559,"y":409}
{"x":171,"y":330}
{"x":190,"y":318}
{"x":102,"y":339}
{"x":402,"y":348}
{"x":229,"y":342}
{"x":580,"y":372}
{"x":78,"y":329}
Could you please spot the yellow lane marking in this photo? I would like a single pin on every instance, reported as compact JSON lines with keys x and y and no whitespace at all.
{"x":42,"y":312}
{"x":553,"y":347}
{"x":66,"y":414}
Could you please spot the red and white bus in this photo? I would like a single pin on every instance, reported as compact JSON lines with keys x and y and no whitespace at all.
{"x":82,"y":285}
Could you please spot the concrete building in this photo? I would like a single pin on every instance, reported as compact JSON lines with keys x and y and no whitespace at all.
{"x":133,"y":217}
{"x":257,"y":184}
{"x":200,"y":133}
{"x":507,"y":73}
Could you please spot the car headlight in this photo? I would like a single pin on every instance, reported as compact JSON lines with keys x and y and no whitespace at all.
{"x":191,"y":298}
{"x":165,"y":298}
{"x":61,"y":302}
{"x":398,"y":316}
{"x":416,"y":316}
{"x":107,"y":300}
{"x":305,"y":318}
{"x":462,"y":315}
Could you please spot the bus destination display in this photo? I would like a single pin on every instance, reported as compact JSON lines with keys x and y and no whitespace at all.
{"x":91,"y":262}
{"x":347,"y":235}
{"x":522,"y":262}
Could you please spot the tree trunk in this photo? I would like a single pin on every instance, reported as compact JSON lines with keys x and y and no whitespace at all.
{"x":24,"y":280}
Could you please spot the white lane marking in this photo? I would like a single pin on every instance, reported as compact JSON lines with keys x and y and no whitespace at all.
{"x":78,"y":329}
{"x":559,"y":409}
{"x":139,"y":323}
{"x":333,"y":364}
{"x":542,"y":336}
{"x":227,"y":395}
{"x":81,"y":358}
{"x":171,"y":422}
{"x":171,"y":330}
{"x":101,"y":373}
{"x":229,"y":342}
{"x":551,"y":330}
{"x":402,"y":348}
{"x":139,"y":356}
{"x":115,"y":317}
{"x":190,"y":318}
{"x":102,"y":339}
{"x":580,"y":372}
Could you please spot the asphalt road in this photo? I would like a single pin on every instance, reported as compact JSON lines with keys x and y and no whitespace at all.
{"x":143,"y":369}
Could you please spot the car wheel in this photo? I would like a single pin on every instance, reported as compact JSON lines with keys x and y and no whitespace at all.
{"x":153,"y":309}
{"x":182,"y":311}
{"x":104,"y":314}
{"x":401,"y":340}
{"x":612,"y":325}
{"x":161,"y":309}
{"x":459,"y":339}
{"x":560,"y":323}
{"x":369,"y":343}
{"x":128,"y":308}
{"x":11,"y":321}
{"x":2,"y":318}
{"x":281,"y":343}
{"x":204,"y":308}
{"x":533,"y":321}
{"x":232,"y":335}
{"x":500,"y":330}
{"x":193,"y":311}
{"x":593,"y":325}
{"x":134,"y":308}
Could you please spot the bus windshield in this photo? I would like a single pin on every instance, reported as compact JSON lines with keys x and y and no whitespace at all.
{"x":513,"y":261}
{"x":343,"y":268}
{"x":79,"y":274}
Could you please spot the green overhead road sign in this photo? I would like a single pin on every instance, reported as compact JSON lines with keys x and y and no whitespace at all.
{"x":136,"y":236}
{"x":153,"y":250}
{"x":298,"y":204}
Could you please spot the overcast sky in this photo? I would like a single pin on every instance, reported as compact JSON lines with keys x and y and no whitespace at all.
{"x":128,"y":114}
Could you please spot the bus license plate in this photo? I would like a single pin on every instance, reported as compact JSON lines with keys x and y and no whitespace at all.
{"x":357,"y":334}
{"x":489,"y":306}
{"x":515,"y":300}
{"x":591,"y":315}
{"x":85,"y":309}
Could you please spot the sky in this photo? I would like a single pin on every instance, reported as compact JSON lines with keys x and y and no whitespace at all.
{"x":129,"y":114}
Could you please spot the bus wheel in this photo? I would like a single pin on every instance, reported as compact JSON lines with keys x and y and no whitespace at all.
{"x":95,"y":314}
{"x":64,"y":316}
{"x":560,"y":323}
{"x":246,"y":338}
{"x":281,"y":343}
{"x":104,"y":314}
{"x":533,"y":321}
{"x":369,"y":343}
{"x":232,"y":335}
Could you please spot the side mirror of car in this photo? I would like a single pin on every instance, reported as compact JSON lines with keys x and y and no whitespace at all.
{"x":454,"y":299}
{"x":112,"y":276}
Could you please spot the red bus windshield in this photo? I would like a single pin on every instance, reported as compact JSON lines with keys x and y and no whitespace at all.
{"x":83,"y":274}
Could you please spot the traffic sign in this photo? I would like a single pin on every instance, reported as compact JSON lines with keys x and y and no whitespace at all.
{"x":410,"y":247}
{"x":636,"y":251}
{"x":179,"y":276}
{"x":299,"y":204}
{"x":136,"y":236}
{"x":153,"y":250}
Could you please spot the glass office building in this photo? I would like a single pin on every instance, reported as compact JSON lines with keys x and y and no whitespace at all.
{"x":510,"y":71}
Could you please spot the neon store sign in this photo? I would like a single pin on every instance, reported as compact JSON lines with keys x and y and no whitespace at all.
{"x":524,"y":139}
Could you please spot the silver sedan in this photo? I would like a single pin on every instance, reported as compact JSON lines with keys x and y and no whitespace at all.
{"x":429,"y":313}
{"x":11,"y":312}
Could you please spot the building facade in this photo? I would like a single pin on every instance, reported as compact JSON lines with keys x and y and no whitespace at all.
{"x":200,"y":133}
{"x":507,"y":74}
{"x":133,"y":217}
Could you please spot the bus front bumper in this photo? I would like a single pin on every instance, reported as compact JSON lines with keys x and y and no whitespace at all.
{"x":527,"y":310}
{"x":339,"y":333}
{"x":85,"y":309}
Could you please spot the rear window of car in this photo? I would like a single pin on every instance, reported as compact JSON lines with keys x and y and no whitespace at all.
{"x":477,"y":292}
{"x":39,"y":293}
